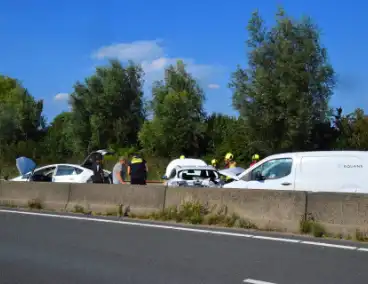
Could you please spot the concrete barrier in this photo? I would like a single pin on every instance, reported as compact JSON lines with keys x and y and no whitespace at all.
{"x":51,"y":195}
{"x":273,"y":210}
{"x":102,"y":198}
{"x":339,"y":213}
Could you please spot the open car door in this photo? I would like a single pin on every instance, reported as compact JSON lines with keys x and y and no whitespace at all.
{"x":25,"y":165}
{"x":87,"y":163}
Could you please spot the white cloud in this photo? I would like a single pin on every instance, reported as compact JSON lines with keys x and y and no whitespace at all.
{"x":213,"y":86}
{"x":150,"y":54}
{"x":136,"y":51}
{"x":61,"y":97}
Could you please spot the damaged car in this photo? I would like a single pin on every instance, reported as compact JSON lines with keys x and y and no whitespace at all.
{"x":196,"y":173}
{"x":70,"y":173}
{"x":194,"y":176}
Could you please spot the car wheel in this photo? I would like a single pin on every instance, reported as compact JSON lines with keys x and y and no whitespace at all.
{"x":89,"y":180}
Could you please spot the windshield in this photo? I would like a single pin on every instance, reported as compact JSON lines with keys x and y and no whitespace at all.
{"x":197,"y":174}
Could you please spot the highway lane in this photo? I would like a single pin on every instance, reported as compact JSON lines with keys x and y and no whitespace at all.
{"x":37,"y":250}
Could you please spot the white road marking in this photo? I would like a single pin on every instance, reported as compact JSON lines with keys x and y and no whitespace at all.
{"x":276,"y":239}
{"x":329,"y":245}
{"x":253,"y":281}
{"x":184,"y":229}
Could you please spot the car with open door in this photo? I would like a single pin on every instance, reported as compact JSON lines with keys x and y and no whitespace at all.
{"x":70,"y":173}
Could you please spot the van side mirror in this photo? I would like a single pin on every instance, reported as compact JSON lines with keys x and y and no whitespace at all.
{"x":258,"y":176}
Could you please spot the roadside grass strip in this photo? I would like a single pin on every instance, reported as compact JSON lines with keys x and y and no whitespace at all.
{"x":187,"y":229}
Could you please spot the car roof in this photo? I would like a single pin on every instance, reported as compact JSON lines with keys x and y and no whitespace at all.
{"x":195,"y":168}
{"x":189,"y":162}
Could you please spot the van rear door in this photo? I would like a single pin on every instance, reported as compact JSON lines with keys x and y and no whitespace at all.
{"x":340,"y":172}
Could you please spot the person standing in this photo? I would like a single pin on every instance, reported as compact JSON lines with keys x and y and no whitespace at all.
{"x":98,"y":173}
{"x":229,"y":161}
{"x":214,"y":163}
{"x":119,"y":171}
{"x":255,"y":159}
{"x":137,"y":170}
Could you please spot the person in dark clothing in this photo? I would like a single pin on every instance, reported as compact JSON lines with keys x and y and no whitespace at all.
{"x":137,"y":169}
{"x":98,"y":173}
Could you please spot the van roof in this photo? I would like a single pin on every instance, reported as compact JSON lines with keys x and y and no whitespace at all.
{"x":305,"y":154}
{"x":319,"y":153}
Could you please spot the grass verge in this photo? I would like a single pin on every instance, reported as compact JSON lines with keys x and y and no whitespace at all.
{"x":198,"y":214}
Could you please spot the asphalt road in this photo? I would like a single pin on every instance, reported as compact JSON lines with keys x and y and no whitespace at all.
{"x":38,"y":250}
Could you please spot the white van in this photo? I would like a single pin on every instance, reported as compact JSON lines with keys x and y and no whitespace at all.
{"x":324,"y":171}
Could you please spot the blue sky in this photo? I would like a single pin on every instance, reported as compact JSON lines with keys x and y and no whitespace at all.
{"x":49,"y":45}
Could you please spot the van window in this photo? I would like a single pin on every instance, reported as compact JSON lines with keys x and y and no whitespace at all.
{"x":273,"y":169}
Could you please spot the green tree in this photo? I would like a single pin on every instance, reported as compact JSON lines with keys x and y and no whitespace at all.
{"x":107,"y":109}
{"x":352,"y":130}
{"x":59,"y":143}
{"x":285,"y":91}
{"x":20,"y":114}
{"x":177,"y":126}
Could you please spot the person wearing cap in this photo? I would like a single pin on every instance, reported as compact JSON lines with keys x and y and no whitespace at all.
{"x":255,"y":159}
{"x":137,"y":169}
{"x":119,"y":171}
{"x":229,"y":161}
{"x":214,"y":163}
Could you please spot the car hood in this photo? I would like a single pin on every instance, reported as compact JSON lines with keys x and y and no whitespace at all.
{"x":232,"y":172}
{"x":25,"y":165}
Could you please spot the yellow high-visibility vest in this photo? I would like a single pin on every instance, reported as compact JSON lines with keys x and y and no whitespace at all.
{"x":136,"y":160}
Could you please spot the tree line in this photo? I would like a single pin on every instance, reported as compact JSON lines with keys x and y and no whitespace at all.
{"x":282,"y":97}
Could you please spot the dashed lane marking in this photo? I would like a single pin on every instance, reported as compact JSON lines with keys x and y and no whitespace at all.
{"x":253,"y":281}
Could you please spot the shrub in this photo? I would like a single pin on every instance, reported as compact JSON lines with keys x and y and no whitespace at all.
{"x":35,"y":204}
{"x":79,"y":209}
{"x":310,"y":226}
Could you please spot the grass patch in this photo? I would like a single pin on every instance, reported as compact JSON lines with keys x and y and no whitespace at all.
{"x":7,"y":203}
{"x":361,"y":236}
{"x":310,"y":226}
{"x":35,"y":204}
{"x":196,"y":213}
{"x":115,"y":211}
{"x":79,"y":209}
